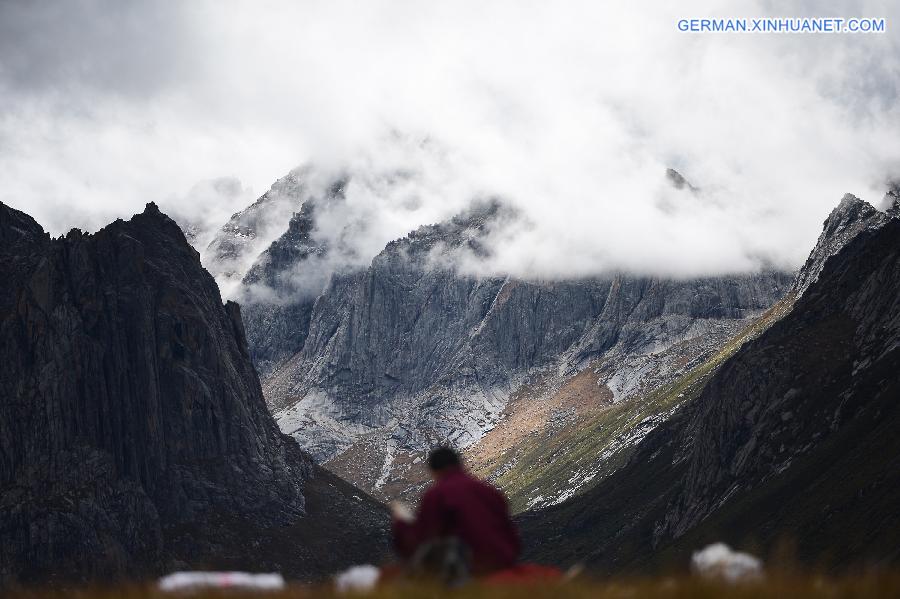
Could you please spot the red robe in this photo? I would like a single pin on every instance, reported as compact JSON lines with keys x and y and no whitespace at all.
{"x":459,"y":505}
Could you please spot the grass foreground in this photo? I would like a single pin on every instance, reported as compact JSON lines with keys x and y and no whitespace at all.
{"x":800,"y":587}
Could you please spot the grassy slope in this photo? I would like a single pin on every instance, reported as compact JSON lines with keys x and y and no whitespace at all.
{"x":544,"y":465}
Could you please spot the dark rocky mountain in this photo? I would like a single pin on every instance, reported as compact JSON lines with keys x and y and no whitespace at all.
{"x":134,"y":437}
{"x":791,"y":445}
{"x":367,"y":367}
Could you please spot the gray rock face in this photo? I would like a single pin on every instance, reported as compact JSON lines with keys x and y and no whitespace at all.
{"x":793,"y":437}
{"x":134,"y":436}
{"x":415,"y":349}
{"x":849,"y":219}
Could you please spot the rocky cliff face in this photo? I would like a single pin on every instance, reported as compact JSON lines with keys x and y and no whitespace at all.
{"x":791,"y":440}
{"x":417,"y":348}
{"x":134,"y":436}
{"x":849,"y":219}
{"x":283,"y":283}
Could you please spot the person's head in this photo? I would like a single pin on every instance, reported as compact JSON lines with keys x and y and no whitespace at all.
{"x":441,"y":460}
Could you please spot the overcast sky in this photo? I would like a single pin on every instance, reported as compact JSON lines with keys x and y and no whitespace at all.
{"x":571,"y":110}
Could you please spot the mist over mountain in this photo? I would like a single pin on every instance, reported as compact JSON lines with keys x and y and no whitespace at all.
{"x":572,"y":120}
{"x":370,"y":358}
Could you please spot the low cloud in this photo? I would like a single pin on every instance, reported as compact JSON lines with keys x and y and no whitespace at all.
{"x":570,"y":112}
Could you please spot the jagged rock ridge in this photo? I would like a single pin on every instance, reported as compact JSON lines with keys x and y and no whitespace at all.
{"x":846,"y":221}
{"x":247,"y":233}
{"x":134,"y":437}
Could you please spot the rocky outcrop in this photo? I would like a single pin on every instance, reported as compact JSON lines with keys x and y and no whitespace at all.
{"x":849,"y":219}
{"x":134,"y":436}
{"x":792,"y":440}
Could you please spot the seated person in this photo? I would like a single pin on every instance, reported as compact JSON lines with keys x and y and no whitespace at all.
{"x":462,"y":524}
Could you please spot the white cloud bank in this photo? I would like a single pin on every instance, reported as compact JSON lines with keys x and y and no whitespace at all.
{"x":570,"y":110}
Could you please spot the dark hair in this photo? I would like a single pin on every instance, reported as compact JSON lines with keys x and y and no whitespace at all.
{"x":443,"y":457}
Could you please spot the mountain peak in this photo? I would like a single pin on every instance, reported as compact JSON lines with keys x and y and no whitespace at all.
{"x":849,"y":200}
{"x":467,"y":229}
{"x":678,"y":181}
{"x":850,"y":210}
{"x":851,"y":216}
{"x":159,"y":219}
{"x":17,"y":227}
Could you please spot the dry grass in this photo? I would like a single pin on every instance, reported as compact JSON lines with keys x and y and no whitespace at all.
{"x":528,"y":415}
{"x":800,"y":587}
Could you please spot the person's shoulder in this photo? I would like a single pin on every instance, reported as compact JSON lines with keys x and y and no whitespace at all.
{"x":433,"y":491}
{"x":497,"y":496}
{"x":482,"y":484}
